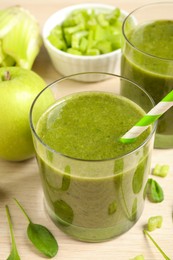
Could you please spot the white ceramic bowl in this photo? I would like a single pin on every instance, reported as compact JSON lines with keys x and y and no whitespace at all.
{"x":67,"y":64}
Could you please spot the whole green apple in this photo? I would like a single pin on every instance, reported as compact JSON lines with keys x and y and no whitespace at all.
{"x":18,"y":88}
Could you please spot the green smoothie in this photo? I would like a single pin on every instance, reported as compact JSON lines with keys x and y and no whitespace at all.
{"x":92,"y":192}
{"x":148,"y":61}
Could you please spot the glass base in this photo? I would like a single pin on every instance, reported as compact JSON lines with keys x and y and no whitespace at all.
{"x":163,"y":141}
{"x":93,"y":235}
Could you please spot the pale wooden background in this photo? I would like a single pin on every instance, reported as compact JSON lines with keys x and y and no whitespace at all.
{"x":21,"y":180}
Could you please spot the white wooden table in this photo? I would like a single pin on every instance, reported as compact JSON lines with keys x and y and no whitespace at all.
{"x":21,"y":180}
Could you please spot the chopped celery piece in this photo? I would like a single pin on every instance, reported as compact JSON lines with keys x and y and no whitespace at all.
{"x":74,"y":29}
{"x":75,"y":18}
{"x":20,"y":36}
{"x":100,"y":34}
{"x":102,"y":20}
{"x":76,"y":37}
{"x":91,"y":40}
{"x":92,"y":52}
{"x":56,"y":38}
{"x":83,"y":45}
{"x":58,"y":43}
{"x":160,"y":170}
{"x":89,"y":32}
{"x":104,"y":47}
{"x":114,"y":16}
{"x":73,"y":51}
{"x":154,"y":222}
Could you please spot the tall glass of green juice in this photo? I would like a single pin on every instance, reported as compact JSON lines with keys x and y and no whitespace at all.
{"x":93,"y":184}
{"x":147,"y":58}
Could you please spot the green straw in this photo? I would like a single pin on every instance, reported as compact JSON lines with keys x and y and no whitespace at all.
{"x":148,"y":119}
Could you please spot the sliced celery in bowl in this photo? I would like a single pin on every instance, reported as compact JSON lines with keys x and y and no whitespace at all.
{"x":85,"y":38}
{"x":88,"y":32}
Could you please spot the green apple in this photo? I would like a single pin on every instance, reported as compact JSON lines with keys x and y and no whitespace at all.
{"x":18,"y":88}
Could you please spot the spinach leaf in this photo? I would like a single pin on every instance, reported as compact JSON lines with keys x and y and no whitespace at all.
{"x":40,"y":236}
{"x":14,"y":253}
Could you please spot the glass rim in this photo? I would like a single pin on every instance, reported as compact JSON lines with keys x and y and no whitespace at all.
{"x":85,"y":160}
{"x":131,"y":15}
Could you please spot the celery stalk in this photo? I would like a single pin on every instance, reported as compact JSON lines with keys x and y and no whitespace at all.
{"x":5,"y":60}
{"x":8,"y":18}
{"x":2,"y":55}
{"x":23,"y":41}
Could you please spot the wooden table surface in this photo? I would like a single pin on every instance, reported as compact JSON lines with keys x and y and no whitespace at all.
{"x":22,"y":181}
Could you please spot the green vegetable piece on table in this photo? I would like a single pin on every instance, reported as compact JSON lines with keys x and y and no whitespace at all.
{"x":14,"y":253}
{"x":154,"y":191}
{"x":40,"y":236}
{"x":157,"y":246}
{"x":160,"y":170}
{"x":154,"y":222}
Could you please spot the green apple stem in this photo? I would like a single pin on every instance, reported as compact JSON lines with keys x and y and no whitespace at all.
{"x":7,"y":75}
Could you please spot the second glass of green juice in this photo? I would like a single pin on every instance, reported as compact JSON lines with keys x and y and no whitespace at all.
{"x":147,"y":58}
{"x":93,"y":184}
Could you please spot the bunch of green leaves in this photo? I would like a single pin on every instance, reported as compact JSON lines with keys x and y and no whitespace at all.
{"x":88,"y":32}
{"x":20,"y":38}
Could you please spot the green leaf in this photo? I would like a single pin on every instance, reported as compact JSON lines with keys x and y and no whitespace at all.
{"x":138,"y":176}
{"x":154,"y":191}
{"x":40,"y":236}
{"x":134,"y":209}
{"x":112,"y":208}
{"x":14,"y":253}
{"x":64,"y":212}
{"x":66,"y":179}
{"x":42,"y":239}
